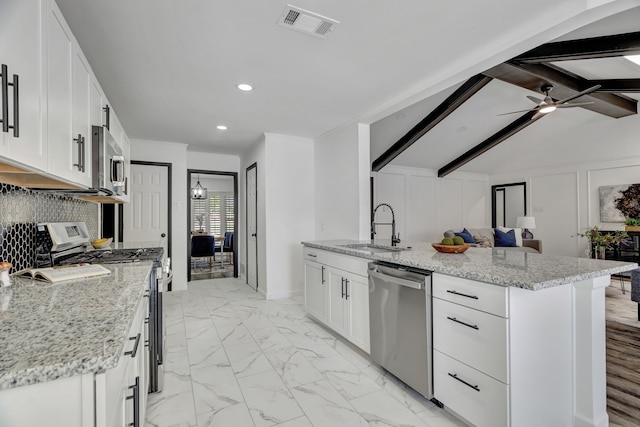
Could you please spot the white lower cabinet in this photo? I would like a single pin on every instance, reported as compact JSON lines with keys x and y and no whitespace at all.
{"x":337,"y":293}
{"x":503,"y":355}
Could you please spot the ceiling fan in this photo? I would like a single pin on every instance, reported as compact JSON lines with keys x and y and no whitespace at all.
{"x":548,"y":105}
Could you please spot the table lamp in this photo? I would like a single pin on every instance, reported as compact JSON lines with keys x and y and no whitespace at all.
{"x":526,"y":223}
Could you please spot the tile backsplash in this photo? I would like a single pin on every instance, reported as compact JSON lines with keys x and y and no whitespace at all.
{"x":21,"y":209}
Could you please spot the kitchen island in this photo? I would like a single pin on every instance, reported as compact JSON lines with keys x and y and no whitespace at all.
{"x":526,"y":331}
{"x":68,"y":348}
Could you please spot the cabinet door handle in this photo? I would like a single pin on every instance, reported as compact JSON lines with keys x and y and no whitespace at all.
{"x":107,"y":111}
{"x":455,"y":376}
{"x":5,"y":98}
{"x":135,"y":346}
{"x":462,"y":295}
{"x":84,"y":155}
{"x":322,"y":274}
{"x":453,"y":319}
{"x":78,"y":141}
{"x":343,"y":287}
{"x":4,"y":77}
{"x":136,"y":402}
{"x":346,"y":288}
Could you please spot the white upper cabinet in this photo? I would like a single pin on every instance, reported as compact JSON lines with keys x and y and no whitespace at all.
{"x":60,"y":58}
{"x":81,"y":118}
{"x":22,"y":51}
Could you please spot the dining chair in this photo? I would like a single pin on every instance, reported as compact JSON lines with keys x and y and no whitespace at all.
{"x":203,"y":247}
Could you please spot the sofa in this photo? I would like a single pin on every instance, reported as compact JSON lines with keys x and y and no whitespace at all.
{"x":485,"y":237}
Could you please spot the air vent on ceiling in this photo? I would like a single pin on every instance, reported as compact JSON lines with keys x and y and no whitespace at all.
{"x":307,"y":22}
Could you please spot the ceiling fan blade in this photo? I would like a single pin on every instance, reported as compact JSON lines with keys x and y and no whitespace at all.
{"x":519,"y":111}
{"x":534,"y":99}
{"x":577,"y":104}
{"x":579,"y":94}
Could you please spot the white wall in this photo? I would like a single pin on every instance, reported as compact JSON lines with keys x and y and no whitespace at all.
{"x":213,"y":162}
{"x":290,"y":211}
{"x":425,"y":205}
{"x":342,"y":170}
{"x":176,"y":154}
{"x":565,"y":200}
{"x":285,"y":210}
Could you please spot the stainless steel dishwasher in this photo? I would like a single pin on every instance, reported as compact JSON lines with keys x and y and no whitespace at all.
{"x":401,"y":323}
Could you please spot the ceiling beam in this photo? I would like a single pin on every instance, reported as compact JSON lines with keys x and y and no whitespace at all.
{"x":565,"y":84}
{"x":595,"y":47}
{"x":448,"y":106}
{"x":495,"y":139}
{"x":617,"y":85}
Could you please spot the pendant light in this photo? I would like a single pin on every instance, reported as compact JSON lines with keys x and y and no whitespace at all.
{"x":198,"y":192}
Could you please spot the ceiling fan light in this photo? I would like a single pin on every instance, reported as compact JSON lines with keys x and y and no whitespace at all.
{"x":547,"y":109}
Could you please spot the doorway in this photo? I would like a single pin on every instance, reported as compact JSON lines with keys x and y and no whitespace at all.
{"x":212,"y":224}
{"x":252,"y":225}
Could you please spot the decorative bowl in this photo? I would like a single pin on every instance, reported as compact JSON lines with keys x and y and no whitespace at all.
{"x":451,"y":249}
{"x":102,"y":243}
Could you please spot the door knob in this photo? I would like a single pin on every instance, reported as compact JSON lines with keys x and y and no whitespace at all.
{"x":163,"y":235}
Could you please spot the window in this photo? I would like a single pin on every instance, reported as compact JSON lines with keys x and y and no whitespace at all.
{"x":214,"y":215}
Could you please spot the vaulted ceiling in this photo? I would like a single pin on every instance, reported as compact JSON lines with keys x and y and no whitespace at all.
{"x":459,"y":127}
{"x":170,"y":68}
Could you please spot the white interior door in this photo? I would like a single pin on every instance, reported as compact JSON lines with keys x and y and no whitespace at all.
{"x":252,"y":226}
{"x":145,"y":217}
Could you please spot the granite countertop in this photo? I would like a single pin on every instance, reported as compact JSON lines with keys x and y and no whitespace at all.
{"x":51,"y":331}
{"x":525,"y":270}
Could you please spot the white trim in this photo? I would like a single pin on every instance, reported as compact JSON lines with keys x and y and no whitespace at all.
{"x":284,"y":294}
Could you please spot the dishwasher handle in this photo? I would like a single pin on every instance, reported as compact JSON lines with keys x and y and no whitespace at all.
{"x":396,"y":280}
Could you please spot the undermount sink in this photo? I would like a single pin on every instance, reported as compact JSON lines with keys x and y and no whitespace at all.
{"x":374,"y":248}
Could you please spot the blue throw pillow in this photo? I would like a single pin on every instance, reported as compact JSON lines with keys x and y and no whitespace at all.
{"x":466,"y":236}
{"x":507,"y":239}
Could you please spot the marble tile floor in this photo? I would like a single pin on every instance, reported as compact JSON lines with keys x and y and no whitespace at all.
{"x":237,"y":360}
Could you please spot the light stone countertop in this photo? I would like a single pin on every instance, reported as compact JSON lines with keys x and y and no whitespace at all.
{"x":525,"y":270}
{"x":50,"y":331}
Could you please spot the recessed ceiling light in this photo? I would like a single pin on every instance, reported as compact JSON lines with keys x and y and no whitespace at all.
{"x":634,"y":58}
{"x":221,"y":127}
{"x":245,"y":87}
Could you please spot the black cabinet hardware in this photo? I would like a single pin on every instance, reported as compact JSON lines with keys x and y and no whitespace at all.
{"x":322,"y":274}
{"x":135,"y":346}
{"x":342,"y":287}
{"x":136,"y":403}
{"x":463,"y":295}
{"x":455,"y":376}
{"x":4,"y":77}
{"x":107,"y":117}
{"x":346,"y":288}
{"x":453,"y":319}
{"x":313,"y":256}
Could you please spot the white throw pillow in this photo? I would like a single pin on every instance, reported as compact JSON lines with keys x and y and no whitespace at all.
{"x":518,"y":232}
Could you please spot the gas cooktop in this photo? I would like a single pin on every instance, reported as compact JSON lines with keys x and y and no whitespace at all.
{"x":115,"y":256}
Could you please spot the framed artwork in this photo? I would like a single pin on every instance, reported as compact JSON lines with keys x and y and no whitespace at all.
{"x":618,"y":202}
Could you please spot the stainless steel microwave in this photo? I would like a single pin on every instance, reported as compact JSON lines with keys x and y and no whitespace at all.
{"x":108,"y":163}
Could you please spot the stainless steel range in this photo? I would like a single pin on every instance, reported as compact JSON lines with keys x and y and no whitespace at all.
{"x":65,"y":243}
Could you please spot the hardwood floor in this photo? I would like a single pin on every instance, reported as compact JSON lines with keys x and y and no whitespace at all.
{"x":623,"y":357}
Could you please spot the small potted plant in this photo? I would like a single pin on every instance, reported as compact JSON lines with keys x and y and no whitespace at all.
{"x":600,"y":242}
{"x":632,"y":224}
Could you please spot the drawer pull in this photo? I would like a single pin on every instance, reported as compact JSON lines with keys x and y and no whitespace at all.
{"x":475,"y":387}
{"x":135,"y":347}
{"x":462,"y":295}
{"x":312,"y":256}
{"x":453,"y":319}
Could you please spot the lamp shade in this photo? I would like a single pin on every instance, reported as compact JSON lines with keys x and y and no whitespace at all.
{"x":527,"y":222}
